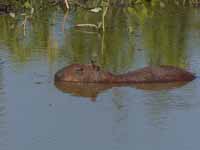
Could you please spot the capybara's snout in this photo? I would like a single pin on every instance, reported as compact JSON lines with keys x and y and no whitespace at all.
{"x":59,"y":76}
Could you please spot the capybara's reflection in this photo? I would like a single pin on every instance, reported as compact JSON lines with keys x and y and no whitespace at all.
{"x":91,"y":90}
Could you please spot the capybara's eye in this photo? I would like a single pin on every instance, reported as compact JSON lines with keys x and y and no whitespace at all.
{"x":79,"y":69}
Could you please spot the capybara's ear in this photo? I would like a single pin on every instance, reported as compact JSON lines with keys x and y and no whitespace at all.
{"x":98,"y":68}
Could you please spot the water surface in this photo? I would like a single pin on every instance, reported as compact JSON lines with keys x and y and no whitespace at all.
{"x":35,"y":114}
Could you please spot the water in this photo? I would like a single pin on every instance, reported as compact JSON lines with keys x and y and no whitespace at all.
{"x":35,"y":114}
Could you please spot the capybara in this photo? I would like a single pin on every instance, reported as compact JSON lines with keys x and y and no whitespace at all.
{"x":90,"y":73}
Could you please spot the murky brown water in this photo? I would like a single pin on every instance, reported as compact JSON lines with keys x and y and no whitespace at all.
{"x":35,"y":114}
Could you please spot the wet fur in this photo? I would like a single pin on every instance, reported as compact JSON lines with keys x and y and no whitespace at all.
{"x":90,"y":73}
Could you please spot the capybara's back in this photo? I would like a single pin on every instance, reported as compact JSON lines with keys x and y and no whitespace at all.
{"x":158,"y":74}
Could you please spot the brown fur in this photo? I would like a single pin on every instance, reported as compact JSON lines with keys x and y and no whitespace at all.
{"x":90,"y":73}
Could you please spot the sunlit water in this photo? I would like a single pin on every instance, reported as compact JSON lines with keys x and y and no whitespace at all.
{"x":35,"y":115}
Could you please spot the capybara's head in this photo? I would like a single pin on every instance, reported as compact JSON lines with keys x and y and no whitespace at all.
{"x":81,"y":73}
